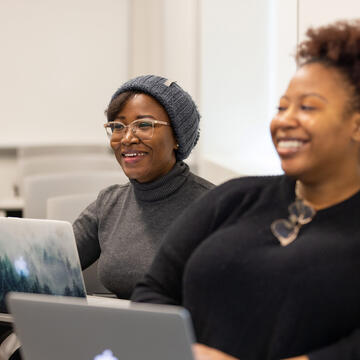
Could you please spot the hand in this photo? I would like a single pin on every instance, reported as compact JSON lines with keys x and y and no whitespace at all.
{"x":203,"y":352}
{"x":303,"y":357}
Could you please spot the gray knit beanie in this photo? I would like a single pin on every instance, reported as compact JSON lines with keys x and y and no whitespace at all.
{"x":179,"y":105}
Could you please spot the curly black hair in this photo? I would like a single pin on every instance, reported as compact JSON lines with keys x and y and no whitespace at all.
{"x":335,"y":45}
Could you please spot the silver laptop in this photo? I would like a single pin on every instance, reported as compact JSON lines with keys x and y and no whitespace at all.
{"x":59,"y":328}
{"x":38,"y":256}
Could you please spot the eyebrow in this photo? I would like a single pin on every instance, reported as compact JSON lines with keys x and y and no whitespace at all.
{"x":306,"y":95}
{"x":121,"y":117}
{"x":316,"y":95}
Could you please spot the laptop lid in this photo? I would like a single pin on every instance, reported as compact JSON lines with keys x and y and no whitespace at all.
{"x":38,"y":256}
{"x":68,"y":328}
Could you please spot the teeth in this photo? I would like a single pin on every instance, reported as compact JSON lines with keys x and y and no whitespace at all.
{"x":134,"y":154}
{"x":287,"y":144}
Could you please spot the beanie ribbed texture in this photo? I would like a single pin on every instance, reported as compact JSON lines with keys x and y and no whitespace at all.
{"x":180,"y":107}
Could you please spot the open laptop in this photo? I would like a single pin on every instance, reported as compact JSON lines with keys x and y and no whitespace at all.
{"x":58,"y":328}
{"x":38,"y":256}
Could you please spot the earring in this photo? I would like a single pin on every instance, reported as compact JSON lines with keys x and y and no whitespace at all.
{"x":177,"y":146}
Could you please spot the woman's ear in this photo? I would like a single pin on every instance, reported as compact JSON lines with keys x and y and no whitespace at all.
{"x":356,"y":128}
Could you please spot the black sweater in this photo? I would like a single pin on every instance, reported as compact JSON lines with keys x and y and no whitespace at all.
{"x":247,"y":295}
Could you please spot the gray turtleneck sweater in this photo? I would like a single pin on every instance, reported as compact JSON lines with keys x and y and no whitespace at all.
{"x":125,"y":224}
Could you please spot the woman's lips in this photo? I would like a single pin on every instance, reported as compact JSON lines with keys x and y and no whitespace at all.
{"x":133,"y":157}
{"x":287,"y":147}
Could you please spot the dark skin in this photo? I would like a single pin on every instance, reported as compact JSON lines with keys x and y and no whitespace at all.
{"x":314,"y":112}
{"x":318,"y":142}
{"x":154,"y":157}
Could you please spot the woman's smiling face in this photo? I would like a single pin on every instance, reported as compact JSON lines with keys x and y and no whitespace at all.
{"x":144,"y":160}
{"x":313,"y":129}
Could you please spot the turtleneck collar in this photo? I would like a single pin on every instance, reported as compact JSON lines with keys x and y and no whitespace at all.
{"x":164,"y":186}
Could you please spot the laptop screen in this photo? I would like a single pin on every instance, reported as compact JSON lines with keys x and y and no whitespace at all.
{"x":38,"y":256}
{"x":100,"y":332}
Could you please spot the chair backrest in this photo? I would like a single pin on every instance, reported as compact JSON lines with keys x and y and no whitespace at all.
{"x":68,"y":207}
{"x":63,"y":163}
{"x":38,"y":188}
{"x":64,"y":149}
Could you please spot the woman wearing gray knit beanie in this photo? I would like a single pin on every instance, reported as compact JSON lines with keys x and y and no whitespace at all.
{"x":153,"y":124}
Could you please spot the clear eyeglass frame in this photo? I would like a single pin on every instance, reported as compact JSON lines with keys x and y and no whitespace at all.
{"x":141,"y":128}
{"x":287,"y":230}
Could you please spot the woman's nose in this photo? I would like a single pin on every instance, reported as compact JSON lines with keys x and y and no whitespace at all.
{"x":129,"y":136}
{"x":287,"y":118}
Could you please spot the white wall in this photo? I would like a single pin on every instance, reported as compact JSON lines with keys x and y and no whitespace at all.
{"x":165,"y":41}
{"x":246,"y":64}
{"x":234,"y":57}
{"x":322,"y":12}
{"x":240,"y":71}
{"x":60,"y":61}
{"x":146,"y":39}
{"x":282,"y":41}
{"x":8,"y":173}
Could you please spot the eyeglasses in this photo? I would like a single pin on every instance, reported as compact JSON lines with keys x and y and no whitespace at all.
{"x":142,"y":128}
{"x":287,"y":230}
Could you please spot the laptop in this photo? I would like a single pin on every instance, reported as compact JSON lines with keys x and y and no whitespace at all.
{"x":38,"y":256}
{"x":60,"y":328}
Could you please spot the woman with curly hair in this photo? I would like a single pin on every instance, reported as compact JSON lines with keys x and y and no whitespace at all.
{"x":269,"y":267}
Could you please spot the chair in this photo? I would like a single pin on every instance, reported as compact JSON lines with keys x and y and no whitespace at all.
{"x":61,"y":163}
{"x":24,"y":152}
{"x":38,"y":188}
{"x":68,"y":208}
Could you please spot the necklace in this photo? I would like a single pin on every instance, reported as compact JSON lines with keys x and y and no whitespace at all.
{"x":297,"y":190}
{"x":299,"y":197}
{"x":300,"y":213}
